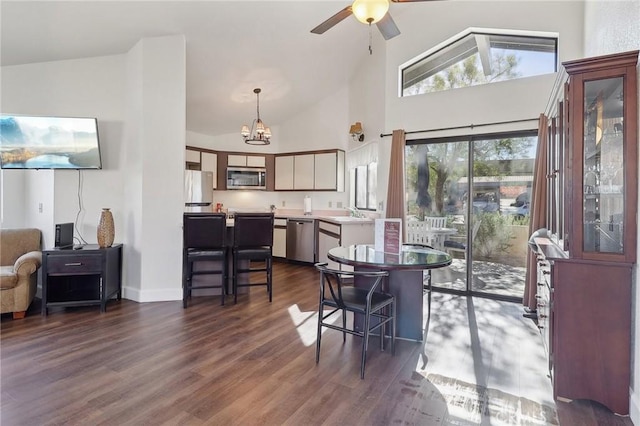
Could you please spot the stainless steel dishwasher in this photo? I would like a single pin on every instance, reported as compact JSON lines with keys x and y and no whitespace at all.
{"x":301,"y":240}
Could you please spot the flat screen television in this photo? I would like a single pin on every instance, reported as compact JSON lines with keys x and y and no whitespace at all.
{"x":49,"y":142}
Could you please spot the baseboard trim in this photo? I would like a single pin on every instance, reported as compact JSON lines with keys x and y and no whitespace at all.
{"x":162,"y":295}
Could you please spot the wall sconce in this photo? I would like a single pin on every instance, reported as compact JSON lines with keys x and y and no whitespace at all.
{"x":356,"y":132}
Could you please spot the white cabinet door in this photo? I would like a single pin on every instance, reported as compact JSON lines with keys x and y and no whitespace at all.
{"x":192,"y":156}
{"x":237,"y":160}
{"x":328,"y":238}
{"x":210,"y":164}
{"x":280,"y":240}
{"x":303,"y":173}
{"x":256,"y":161}
{"x":358,"y":233}
{"x":325,"y":171}
{"x":284,"y":172}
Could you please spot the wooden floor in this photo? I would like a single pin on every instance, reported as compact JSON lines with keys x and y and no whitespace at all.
{"x":253,"y":363}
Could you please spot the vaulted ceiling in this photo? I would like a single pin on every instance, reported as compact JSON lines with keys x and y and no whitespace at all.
{"x":232,"y":47}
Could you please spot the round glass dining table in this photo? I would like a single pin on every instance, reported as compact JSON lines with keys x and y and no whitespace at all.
{"x":406,"y":270}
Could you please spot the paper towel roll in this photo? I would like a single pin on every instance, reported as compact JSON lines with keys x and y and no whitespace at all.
{"x":307,"y":205}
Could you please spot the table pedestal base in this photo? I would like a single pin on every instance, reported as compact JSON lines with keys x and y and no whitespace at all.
{"x":406,"y":286}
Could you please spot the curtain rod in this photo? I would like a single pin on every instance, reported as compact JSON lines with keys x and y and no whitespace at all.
{"x":470,"y":126}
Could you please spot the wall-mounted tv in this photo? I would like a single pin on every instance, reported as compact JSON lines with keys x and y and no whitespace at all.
{"x":49,"y":142}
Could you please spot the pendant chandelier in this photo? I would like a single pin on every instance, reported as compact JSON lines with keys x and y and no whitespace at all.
{"x":259,"y":134}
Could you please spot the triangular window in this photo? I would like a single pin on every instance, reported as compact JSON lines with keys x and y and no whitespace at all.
{"x":480,"y":56}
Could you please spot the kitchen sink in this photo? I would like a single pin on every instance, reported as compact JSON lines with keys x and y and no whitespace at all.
{"x":349,"y":219}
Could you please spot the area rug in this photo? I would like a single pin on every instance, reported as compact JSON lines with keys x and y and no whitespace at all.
{"x":470,"y":404}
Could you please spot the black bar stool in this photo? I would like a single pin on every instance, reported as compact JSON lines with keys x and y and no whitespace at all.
{"x":204,"y":239}
{"x":252,"y":242}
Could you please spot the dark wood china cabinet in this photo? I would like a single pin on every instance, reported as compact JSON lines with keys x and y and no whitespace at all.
{"x":585,"y":265}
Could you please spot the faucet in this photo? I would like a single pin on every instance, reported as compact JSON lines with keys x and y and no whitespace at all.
{"x":354,"y":212}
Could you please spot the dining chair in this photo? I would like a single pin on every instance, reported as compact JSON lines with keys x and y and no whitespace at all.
{"x":338,"y":295}
{"x":252,"y":242}
{"x":204,"y":240}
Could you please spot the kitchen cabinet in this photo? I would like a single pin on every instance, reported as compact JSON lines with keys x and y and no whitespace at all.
{"x":246,"y":160}
{"x":236,"y":160}
{"x":328,"y":237}
{"x":209,"y":163}
{"x":192,"y":159}
{"x":331,"y":234}
{"x":280,"y":238}
{"x":256,"y":161}
{"x":303,"y":171}
{"x":329,"y":171}
{"x":591,"y":211}
{"x":313,"y":171}
{"x":284,"y":172}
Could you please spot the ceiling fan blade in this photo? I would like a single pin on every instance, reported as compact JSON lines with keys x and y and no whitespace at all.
{"x":388,"y":27}
{"x":335,"y":19}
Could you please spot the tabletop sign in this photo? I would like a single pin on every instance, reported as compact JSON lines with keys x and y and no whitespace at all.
{"x":388,"y":235}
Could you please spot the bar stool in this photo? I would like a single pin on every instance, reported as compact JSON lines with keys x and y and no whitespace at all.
{"x":204,"y":239}
{"x":252,"y":242}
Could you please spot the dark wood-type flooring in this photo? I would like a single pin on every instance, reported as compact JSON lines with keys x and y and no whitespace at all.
{"x":253,"y":363}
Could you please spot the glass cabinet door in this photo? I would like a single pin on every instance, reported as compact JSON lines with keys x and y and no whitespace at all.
{"x":603,"y":166}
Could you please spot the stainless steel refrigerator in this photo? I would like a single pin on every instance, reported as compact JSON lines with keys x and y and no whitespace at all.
{"x":198,"y":191}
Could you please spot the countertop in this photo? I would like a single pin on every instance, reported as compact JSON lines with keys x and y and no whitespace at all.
{"x":335,"y":216}
{"x":338,"y":220}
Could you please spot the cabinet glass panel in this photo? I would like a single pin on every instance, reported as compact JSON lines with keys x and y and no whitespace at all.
{"x":603,"y":167}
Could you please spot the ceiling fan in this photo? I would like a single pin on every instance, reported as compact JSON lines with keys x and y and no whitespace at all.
{"x":367,"y":12}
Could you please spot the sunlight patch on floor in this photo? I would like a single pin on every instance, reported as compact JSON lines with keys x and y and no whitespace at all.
{"x":306,"y":324}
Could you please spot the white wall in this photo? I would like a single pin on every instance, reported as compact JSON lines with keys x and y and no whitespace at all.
{"x":92,"y":87}
{"x":139,"y":100}
{"x":155,"y":135}
{"x":367,"y":105}
{"x":323,"y":126}
{"x":12,"y":202}
{"x":509,"y":100}
{"x":611,"y":27}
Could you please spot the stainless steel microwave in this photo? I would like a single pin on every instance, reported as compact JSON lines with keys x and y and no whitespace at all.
{"x":246,"y":178}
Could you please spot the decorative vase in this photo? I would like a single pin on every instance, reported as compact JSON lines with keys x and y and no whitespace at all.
{"x":106,"y":230}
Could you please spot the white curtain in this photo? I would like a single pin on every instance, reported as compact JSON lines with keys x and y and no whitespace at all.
{"x":363,"y":155}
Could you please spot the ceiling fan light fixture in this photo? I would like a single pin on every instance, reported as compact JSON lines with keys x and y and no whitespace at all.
{"x":370,"y":11}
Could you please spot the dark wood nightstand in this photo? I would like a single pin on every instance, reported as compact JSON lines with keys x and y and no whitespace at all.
{"x":88,"y":275}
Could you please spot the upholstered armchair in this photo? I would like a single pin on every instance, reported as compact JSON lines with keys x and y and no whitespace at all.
{"x":20,"y":258}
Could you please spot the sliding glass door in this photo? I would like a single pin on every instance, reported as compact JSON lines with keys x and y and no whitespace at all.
{"x":480,"y":189}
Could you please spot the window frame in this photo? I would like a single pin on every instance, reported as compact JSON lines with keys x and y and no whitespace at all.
{"x":370,"y":186}
{"x":466,"y":33}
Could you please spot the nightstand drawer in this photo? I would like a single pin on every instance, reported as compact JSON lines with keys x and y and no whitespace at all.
{"x":74,"y":264}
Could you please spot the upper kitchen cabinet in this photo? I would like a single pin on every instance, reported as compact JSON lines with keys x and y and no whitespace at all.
{"x":209,"y":163}
{"x":303,"y":172}
{"x":192,"y":158}
{"x":202,"y":159}
{"x":329,"y":171}
{"x":310,"y":171}
{"x":284,"y":173}
{"x":236,"y":160}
